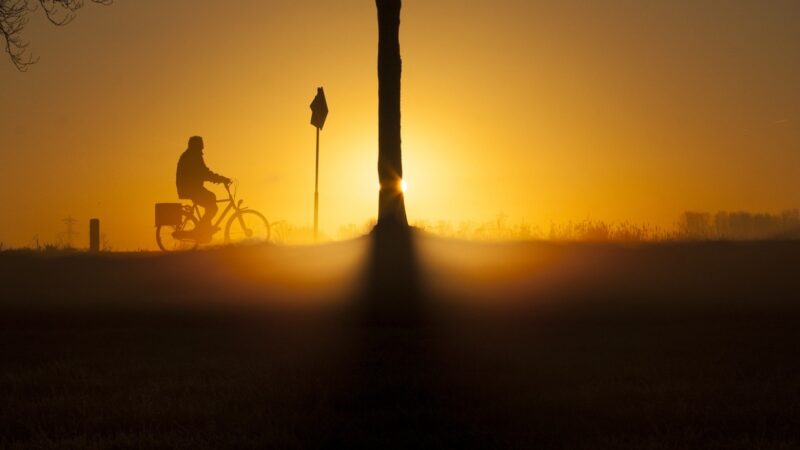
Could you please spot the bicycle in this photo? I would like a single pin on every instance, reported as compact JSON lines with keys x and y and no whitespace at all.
{"x":175,"y":223}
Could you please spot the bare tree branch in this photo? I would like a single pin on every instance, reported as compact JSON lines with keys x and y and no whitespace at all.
{"x":14,"y":17}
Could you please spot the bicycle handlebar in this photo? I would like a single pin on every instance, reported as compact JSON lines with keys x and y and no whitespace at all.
{"x":228,"y":188}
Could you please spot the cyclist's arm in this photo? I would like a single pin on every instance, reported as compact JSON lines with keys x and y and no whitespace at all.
{"x":212,"y":176}
{"x":217,"y":178}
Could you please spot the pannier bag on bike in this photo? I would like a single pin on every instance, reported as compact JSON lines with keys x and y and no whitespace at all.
{"x":168,"y":214}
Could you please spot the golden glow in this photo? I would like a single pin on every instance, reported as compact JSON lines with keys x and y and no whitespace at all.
{"x":403,"y":185}
{"x":544,"y":112}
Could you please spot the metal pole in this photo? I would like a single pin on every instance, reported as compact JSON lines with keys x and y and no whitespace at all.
{"x":316,"y":192}
{"x":94,"y":235}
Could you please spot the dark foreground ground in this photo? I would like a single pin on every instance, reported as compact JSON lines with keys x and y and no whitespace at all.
{"x":533,"y":345}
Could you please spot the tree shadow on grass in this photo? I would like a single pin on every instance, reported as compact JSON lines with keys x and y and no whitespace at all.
{"x":394,"y":391}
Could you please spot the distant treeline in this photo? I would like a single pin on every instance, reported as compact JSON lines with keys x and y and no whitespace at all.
{"x":739,"y":225}
{"x":690,"y":226}
{"x":501,"y":229}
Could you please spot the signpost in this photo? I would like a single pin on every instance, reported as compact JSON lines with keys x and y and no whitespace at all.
{"x":319,"y":112}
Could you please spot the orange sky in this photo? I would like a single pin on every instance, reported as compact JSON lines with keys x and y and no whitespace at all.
{"x":543,"y":111}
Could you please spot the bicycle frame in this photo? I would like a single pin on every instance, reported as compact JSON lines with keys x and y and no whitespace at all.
{"x":232,"y":205}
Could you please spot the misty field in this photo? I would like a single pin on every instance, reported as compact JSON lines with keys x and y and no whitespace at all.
{"x":518,"y":345}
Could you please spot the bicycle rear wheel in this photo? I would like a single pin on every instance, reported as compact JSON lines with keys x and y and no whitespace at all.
{"x":177,"y":238}
{"x":247,"y":227}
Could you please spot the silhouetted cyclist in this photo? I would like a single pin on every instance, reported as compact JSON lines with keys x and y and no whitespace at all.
{"x":191,"y":174}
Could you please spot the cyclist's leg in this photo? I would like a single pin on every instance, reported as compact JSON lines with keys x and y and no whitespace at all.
{"x":208,"y":201}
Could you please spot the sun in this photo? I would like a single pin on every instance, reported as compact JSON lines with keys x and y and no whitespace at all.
{"x":403,"y":185}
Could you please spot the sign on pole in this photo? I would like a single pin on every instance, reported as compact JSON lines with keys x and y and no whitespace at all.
{"x":319,"y":109}
{"x":319,"y":112}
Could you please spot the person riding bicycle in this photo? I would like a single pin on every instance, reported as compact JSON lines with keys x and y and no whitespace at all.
{"x":191,"y":174}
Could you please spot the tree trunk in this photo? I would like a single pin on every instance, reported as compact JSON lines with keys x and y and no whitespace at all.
{"x":391,"y":205}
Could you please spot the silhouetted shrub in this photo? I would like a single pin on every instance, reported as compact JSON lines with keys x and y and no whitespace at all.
{"x":352,"y":231}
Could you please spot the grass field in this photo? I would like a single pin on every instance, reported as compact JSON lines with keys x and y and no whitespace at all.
{"x":521,"y":345}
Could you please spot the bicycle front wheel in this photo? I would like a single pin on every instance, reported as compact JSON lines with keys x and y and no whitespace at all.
{"x":247,"y":227}
{"x":177,"y":238}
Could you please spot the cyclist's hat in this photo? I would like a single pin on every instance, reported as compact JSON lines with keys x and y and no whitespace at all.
{"x":195,"y":141}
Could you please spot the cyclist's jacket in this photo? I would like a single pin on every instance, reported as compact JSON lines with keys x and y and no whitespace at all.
{"x":192,"y":172}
